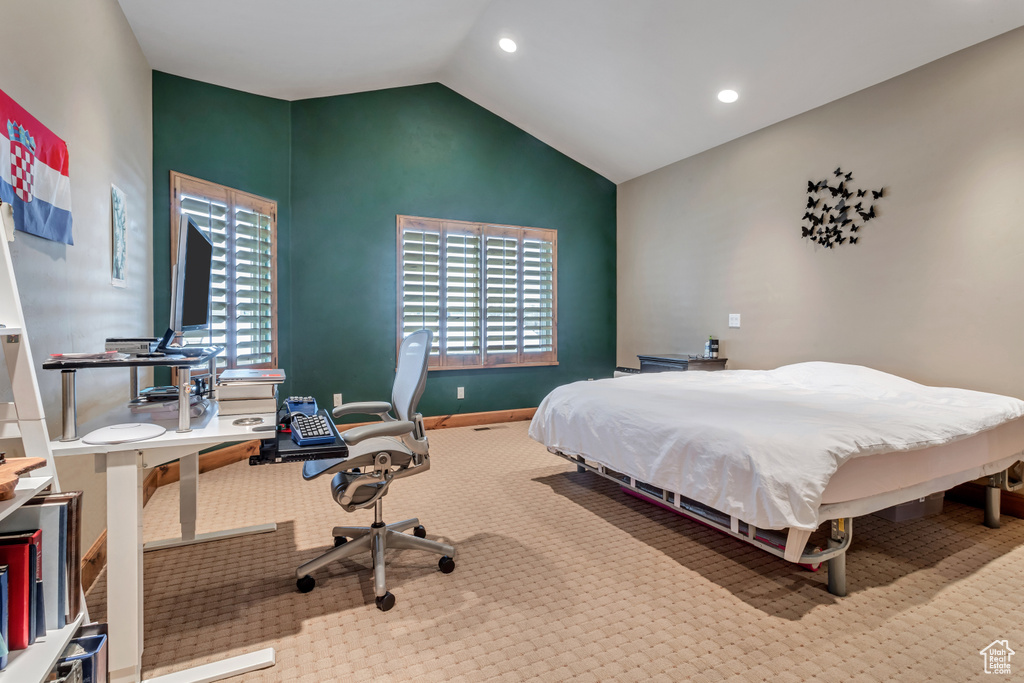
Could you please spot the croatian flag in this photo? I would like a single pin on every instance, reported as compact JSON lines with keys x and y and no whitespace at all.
{"x":34,"y":174}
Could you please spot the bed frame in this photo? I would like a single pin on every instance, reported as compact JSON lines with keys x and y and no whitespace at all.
{"x":791,"y":545}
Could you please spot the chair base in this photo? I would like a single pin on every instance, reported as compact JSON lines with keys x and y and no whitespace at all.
{"x":375,"y":539}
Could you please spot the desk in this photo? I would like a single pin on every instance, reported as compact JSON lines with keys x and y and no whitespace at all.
{"x":124,"y":465}
{"x":184,"y":364}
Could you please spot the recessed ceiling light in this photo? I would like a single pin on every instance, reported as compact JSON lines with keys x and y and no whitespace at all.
{"x":507,"y":44}
{"x":728,"y":96}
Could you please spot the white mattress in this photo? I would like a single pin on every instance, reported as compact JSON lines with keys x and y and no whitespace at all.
{"x":886,"y":472}
{"x":762,"y":446}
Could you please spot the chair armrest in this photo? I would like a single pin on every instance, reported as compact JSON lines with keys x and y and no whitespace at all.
{"x":364,"y":408}
{"x":357,"y":434}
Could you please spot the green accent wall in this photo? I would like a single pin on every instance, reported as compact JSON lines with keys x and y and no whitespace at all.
{"x":227,"y":137}
{"x":355,"y":162}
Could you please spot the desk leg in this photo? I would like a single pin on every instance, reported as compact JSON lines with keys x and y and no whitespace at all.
{"x":68,"y":406}
{"x":188,"y":502}
{"x":124,"y":565}
{"x":188,"y":495}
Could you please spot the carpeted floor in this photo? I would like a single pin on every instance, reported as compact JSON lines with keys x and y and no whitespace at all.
{"x":560,"y":576}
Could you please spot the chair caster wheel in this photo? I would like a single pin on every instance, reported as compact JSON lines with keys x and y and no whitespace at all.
{"x":419,"y":531}
{"x":306,"y":584}
{"x":340,"y":540}
{"x":385,"y":602}
{"x":446,"y":564}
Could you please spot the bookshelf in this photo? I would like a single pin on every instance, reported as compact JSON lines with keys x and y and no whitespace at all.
{"x":26,"y":488}
{"x":34,"y":663}
{"x":24,"y":420}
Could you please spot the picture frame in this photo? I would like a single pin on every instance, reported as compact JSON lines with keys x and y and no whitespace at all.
{"x":118,"y":237}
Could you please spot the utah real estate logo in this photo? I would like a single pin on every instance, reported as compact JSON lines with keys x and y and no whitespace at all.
{"x":997,"y":657}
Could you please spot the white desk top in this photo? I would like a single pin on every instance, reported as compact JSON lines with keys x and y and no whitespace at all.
{"x":207,"y":430}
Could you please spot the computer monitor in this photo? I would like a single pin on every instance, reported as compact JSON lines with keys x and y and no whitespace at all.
{"x":190,"y":281}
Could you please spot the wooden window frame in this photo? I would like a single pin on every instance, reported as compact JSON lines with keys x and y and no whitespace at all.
{"x":185,"y":184}
{"x":522,"y":358}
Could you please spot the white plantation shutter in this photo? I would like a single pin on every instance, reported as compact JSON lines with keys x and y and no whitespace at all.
{"x":243,"y":293}
{"x":487,"y":292}
{"x":252,"y":291}
{"x":462,"y":296}
{"x":538,"y":321}
{"x":419,"y":287}
{"x":502,"y":299}
{"x":212,"y":217}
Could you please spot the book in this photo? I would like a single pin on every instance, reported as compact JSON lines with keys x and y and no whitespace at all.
{"x":4,"y":618}
{"x":247,"y":406}
{"x":18,"y":554}
{"x":74,"y":547}
{"x":51,"y":517}
{"x":37,"y":607}
{"x":236,"y":375}
{"x":229,"y":392}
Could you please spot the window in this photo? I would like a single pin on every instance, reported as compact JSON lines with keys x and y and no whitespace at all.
{"x":487,"y":292}
{"x":243,"y":228}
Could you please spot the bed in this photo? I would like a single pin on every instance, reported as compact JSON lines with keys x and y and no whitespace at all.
{"x":771,"y":456}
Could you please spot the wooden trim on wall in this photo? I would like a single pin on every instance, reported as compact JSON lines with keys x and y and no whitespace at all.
{"x":94,"y":560}
{"x":171,"y":472}
{"x":150,"y":484}
{"x":462,"y":419}
{"x":1011,"y":503}
{"x":96,"y":557}
{"x":475,"y":419}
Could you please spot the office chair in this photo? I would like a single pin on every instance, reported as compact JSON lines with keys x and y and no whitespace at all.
{"x":378,"y":455}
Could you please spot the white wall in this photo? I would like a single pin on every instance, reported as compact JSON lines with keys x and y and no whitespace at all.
{"x":934,"y":291}
{"x":77,"y":67}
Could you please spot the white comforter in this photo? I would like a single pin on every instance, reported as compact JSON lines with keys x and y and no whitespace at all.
{"x":757,"y":445}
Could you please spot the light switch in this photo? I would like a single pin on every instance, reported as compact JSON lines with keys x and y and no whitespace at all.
{"x":734,"y":320}
{"x":460,"y":392}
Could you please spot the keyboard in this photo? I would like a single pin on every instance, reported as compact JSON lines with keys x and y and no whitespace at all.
{"x":311,"y":430}
{"x":301,"y":404}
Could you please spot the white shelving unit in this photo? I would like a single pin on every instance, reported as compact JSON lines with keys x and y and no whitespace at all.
{"x":23,"y":420}
{"x":26,"y":488}
{"x":33,"y":663}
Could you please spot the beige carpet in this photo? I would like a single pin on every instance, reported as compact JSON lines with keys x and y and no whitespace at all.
{"x":560,"y":576}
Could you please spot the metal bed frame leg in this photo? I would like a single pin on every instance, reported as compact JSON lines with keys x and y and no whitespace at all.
{"x":837,"y":565}
{"x":992,"y":496}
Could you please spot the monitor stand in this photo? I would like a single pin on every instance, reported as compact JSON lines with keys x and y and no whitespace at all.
{"x":165,"y":346}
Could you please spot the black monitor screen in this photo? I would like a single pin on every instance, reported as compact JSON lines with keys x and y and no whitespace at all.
{"x":195,"y":290}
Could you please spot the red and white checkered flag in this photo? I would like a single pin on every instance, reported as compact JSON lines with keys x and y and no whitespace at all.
{"x":22,"y":162}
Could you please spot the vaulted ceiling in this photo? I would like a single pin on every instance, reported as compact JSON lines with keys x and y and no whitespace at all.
{"x":624,"y":87}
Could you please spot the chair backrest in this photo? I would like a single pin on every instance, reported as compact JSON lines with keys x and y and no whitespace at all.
{"x":411,"y":375}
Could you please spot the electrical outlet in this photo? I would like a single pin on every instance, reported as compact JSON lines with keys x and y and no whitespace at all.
{"x":460,"y":392}
{"x":734,"y":320}
{"x":337,"y":400}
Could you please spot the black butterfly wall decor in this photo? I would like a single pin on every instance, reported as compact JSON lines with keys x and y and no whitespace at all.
{"x":835,"y":219}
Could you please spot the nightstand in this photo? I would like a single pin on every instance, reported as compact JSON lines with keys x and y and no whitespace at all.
{"x":678,"y":362}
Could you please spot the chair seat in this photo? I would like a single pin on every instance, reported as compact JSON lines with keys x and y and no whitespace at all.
{"x":364,"y":493}
{"x":400,"y":455}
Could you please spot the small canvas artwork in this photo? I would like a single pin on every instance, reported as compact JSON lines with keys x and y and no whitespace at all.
{"x":119,"y":237}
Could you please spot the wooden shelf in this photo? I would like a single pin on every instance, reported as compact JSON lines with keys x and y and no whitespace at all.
{"x":26,"y":488}
{"x":34,"y":663}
